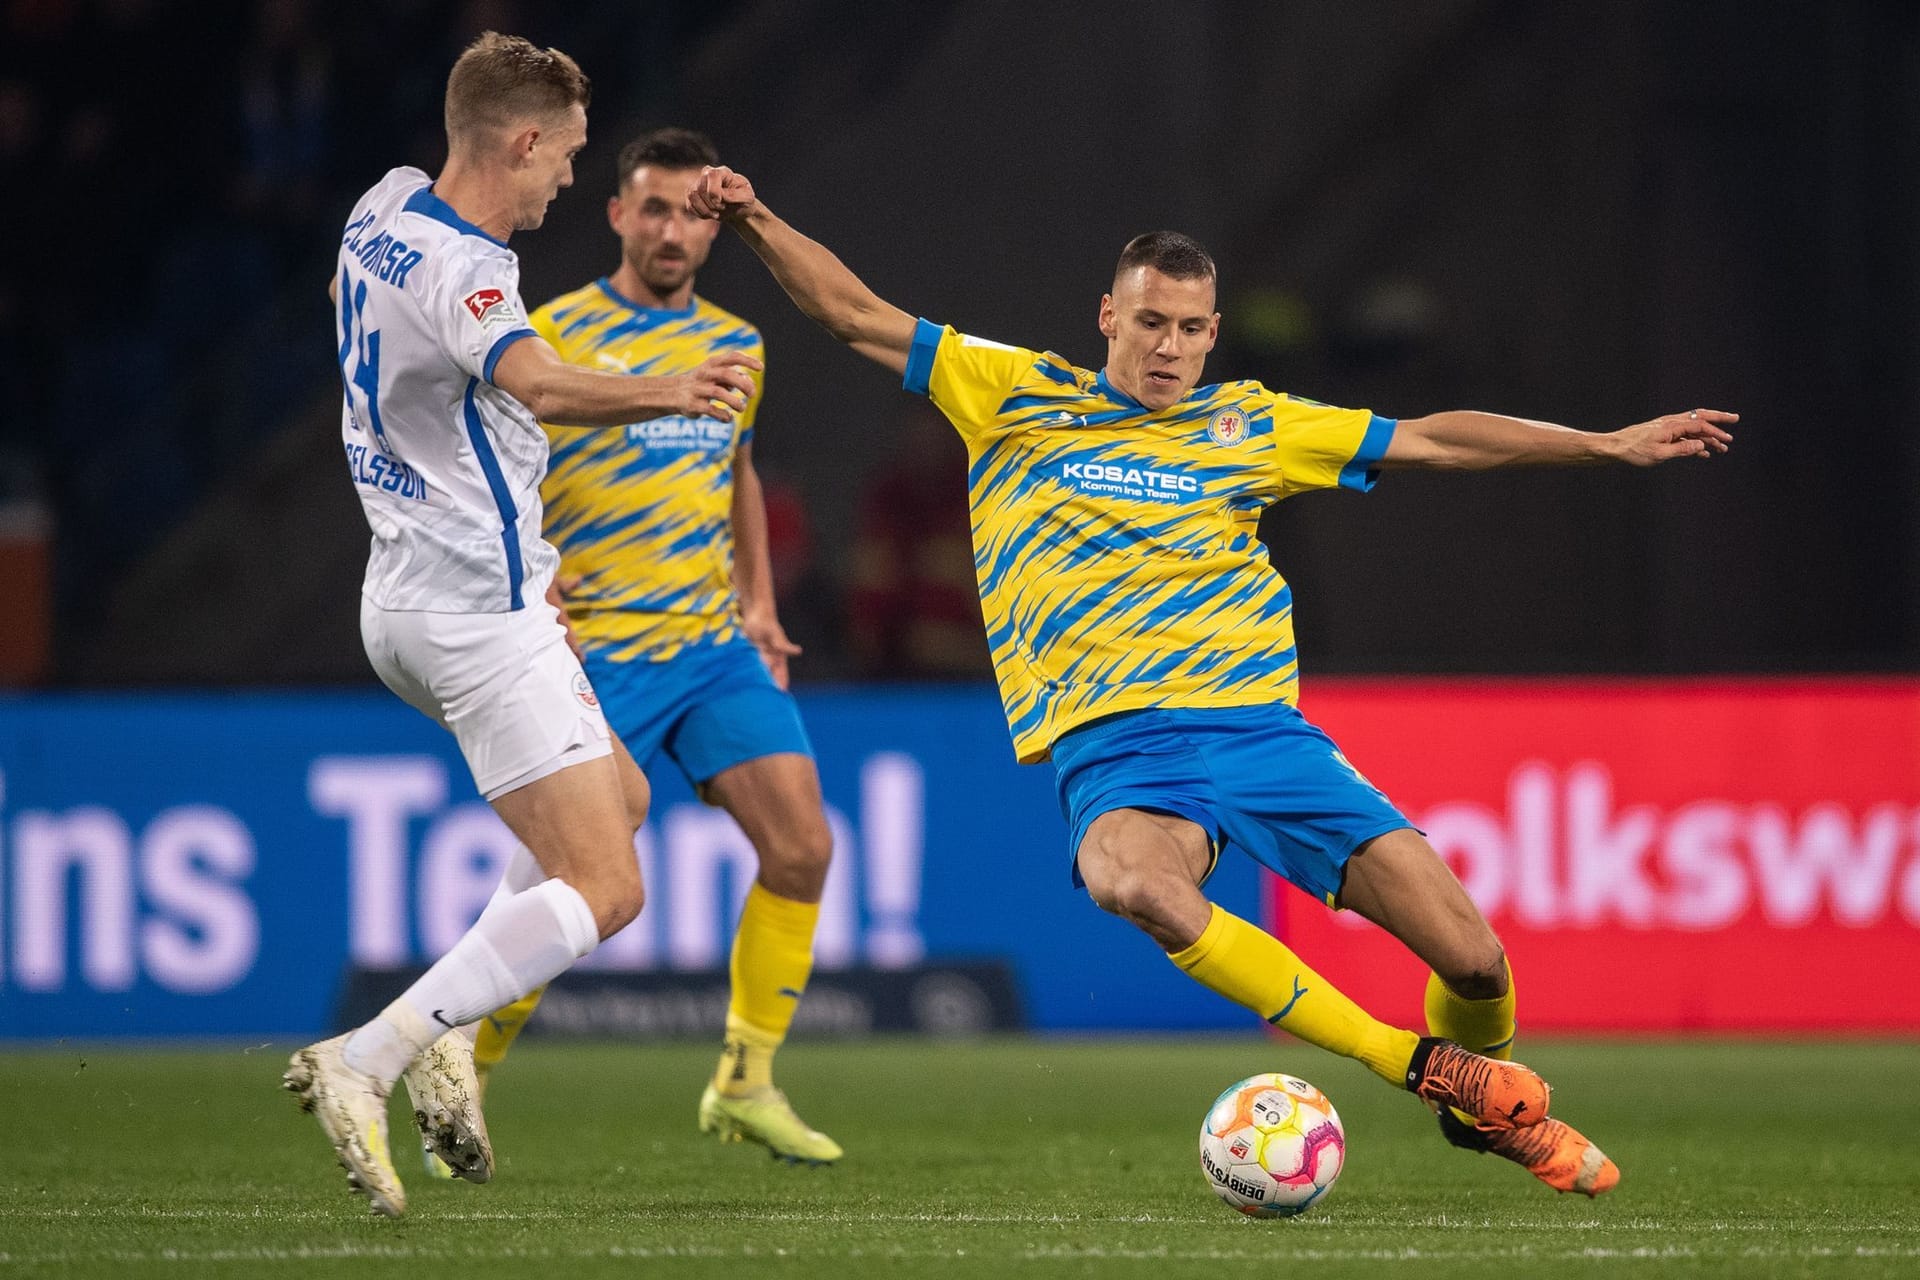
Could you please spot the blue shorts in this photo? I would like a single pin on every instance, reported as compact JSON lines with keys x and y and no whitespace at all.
{"x":709,"y":707}
{"x":1262,"y":778}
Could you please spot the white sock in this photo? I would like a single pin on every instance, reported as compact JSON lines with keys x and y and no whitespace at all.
{"x":519,"y":943}
{"x":522,"y":873}
{"x":388,"y":1045}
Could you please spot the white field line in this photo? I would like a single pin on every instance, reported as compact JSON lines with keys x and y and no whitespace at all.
{"x":1328,"y":1223}
{"x":441,"y":1254}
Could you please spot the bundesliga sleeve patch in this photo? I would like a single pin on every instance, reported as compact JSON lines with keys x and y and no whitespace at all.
{"x":489,"y":306}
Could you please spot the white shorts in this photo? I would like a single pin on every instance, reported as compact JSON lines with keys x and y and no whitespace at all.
{"x":506,"y":684}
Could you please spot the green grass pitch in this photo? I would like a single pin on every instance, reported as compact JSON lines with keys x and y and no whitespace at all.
{"x":1016,"y":1157}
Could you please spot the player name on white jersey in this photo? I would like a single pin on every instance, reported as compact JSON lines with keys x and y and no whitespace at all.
{"x":447,"y":466}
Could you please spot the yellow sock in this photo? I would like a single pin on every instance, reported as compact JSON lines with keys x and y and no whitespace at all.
{"x":1484,"y":1026}
{"x":772,"y":958}
{"x":1252,"y":967}
{"x":498,"y":1031}
{"x":746,"y":1058}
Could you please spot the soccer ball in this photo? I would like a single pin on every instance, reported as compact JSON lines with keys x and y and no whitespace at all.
{"x":1272,"y":1146}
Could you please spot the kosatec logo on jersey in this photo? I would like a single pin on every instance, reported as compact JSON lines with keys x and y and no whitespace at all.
{"x":1129,"y":480}
{"x":680,"y":435}
{"x":1229,"y":426}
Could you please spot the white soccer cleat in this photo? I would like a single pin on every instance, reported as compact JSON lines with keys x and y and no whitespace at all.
{"x":446,"y":1106}
{"x":351,"y":1107}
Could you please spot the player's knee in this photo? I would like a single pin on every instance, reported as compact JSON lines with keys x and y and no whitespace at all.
{"x":616,"y":897}
{"x":1135,"y":893}
{"x":620,"y":910}
{"x":1110,"y":882}
{"x":794,"y":863}
{"x":1099,"y":874}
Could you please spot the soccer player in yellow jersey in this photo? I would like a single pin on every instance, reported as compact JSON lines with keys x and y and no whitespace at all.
{"x":1143,"y":643}
{"x":662,"y":533}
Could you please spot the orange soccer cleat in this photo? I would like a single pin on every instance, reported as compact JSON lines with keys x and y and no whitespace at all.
{"x":1554,"y":1152}
{"x":1495,"y":1094}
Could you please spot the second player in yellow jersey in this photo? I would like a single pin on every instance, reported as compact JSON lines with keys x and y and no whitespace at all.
{"x":644,"y":516}
{"x":666,"y":583}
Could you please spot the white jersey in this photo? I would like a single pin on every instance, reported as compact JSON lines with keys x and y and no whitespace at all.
{"x":448,"y":467}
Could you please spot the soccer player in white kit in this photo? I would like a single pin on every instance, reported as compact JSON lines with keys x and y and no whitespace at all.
{"x":446,"y":385}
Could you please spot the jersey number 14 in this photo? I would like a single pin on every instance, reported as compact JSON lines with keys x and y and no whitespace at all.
{"x":361,"y":345}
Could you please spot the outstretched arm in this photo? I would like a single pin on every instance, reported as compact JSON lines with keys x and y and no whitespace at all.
{"x":568,"y":395}
{"x":817,"y":281}
{"x":1475,"y":441}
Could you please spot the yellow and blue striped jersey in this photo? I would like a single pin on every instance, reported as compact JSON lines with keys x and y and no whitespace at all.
{"x":642,"y":514}
{"x":1115,"y":545}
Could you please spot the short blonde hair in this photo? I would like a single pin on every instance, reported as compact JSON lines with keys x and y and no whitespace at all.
{"x":500,"y":81}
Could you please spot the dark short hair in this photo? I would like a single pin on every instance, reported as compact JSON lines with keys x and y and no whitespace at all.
{"x":1168,"y":252}
{"x":668,"y":148}
{"x":500,"y":81}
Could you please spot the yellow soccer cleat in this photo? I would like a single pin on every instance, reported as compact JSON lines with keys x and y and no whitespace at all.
{"x":437,"y":1169}
{"x":352,"y":1109}
{"x":764,"y":1115}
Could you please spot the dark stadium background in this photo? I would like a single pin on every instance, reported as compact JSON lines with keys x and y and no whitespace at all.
{"x":1583,"y":213}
